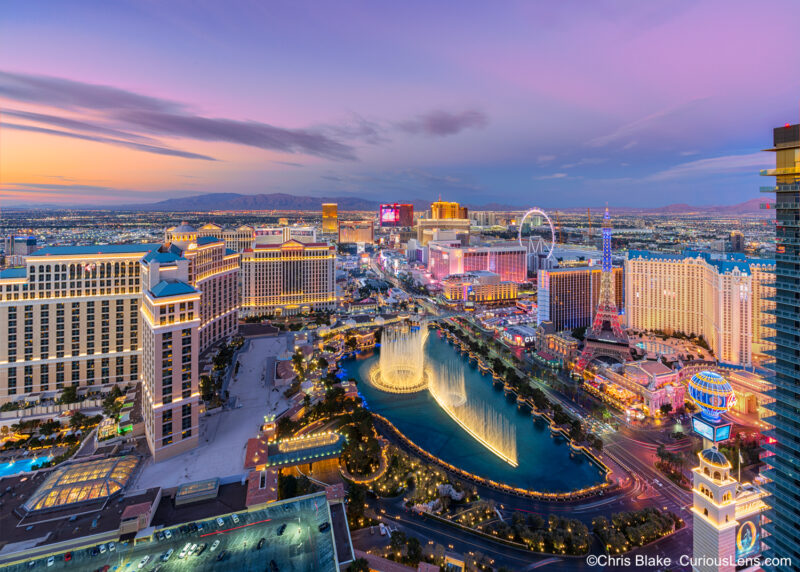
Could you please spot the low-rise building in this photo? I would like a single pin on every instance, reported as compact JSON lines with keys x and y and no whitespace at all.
{"x":478,"y":288}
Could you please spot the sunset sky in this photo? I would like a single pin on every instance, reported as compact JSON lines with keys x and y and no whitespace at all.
{"x":554,"y":104}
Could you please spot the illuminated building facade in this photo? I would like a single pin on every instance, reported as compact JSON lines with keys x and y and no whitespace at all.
{"x":506,"y":260}
{"x":171,"y":320}
{"x":288,"y":278}
{"x":356,"y":231}
{"x":330,"y":218}
{"x":214,"y":271}
{"x":429,"y":230}
{"x":479,"y":288}
{"x":568,"y":297}
{"x":71,"y":317}
{"x":281,"y":234}
{"x":783,"y":443}
{"x":237,"y":239}
{"x":396,"y":214}
{"x":724,"y":299}
{"x":447,"y":210}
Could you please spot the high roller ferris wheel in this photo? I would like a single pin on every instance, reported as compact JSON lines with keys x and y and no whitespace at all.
{"x":530,"y":245}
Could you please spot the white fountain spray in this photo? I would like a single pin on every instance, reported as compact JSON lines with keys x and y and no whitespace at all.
{"x":401,"y":367}
{"x":488,"y":426}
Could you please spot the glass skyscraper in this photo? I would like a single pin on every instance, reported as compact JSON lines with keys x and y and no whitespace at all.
{"x":783,"y":439}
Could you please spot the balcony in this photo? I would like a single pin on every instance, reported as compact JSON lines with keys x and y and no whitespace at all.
{"x":779,"y":171}
{"x":781,"y":313}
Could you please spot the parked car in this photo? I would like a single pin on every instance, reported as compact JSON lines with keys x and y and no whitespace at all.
{"x":68,"y":557}
{"x":102,"y":549}
{"x":282,"y":529}
{"x":324,"y":526}
{"x":201,"y":548}
{"x":260,"y":544}
{"x":214,"y":545}
{"x":273,"y":566}
{"x":112,"y":547}
{"x":222,"y":555}
{"x":235,"y":518}
{"x":184,"y":550}
{"x":220,"y":522}
{"x":166,"y":556}
{"x":143,"y":562}
{"x":167,"y":534}
{"x":51,"y":561}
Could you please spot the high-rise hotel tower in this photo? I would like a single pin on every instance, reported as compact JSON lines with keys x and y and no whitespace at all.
{"x":783,"y":440}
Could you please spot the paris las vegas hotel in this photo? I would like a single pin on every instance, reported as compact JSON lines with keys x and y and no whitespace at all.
{"x":96,"y":316}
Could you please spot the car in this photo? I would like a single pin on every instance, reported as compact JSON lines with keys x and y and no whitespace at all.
{"x":51,"y":561}
{"x":324,"y":526}
{"x":235,"y":518}
{"x":220,"y":522}
{"x":184,"y":550}
{"x":112,"y":547}
{"x":273,"y":566}
{"x":192,"y":549}
{"x":102,"y":549}
{"x":68,"y":557}
{"x":166,"y":556}
{"x":260,"y":544}
{"x":160,"y":535}
{"x":167,"y":534}
{"x":143,"y":562}
{"x":199,"y":527}
{"x":201,"y":548}
{"x":31,"y":563}
{"x":214,"y":545}
{"x":221,"y":556}
{"x":94,"y":551}
{"x":282,"y":529}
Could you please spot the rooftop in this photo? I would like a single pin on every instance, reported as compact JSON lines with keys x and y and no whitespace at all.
{"x":82,"y":482}
{"x":724,"y":263}
{"x":95,"y":249}
{"x":164,"y":289}
{"x":13,"y":273}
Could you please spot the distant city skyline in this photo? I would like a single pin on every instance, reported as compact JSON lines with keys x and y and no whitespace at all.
{"x":643,"y":104}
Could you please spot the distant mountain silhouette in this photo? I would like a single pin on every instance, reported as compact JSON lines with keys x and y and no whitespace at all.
{"x":285,"y":202}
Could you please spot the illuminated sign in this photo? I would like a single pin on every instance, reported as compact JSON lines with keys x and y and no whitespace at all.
{"x":724,"y":433}
{"x":713,"y":432}
{"x":389,"y":215}
{"x":703,"y":429}
{"x":748,"y":538}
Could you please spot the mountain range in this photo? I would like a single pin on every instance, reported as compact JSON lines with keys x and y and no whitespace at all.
{"x":286,"y":202}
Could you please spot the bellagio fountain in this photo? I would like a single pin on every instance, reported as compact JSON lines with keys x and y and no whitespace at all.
{"x":401,"y":368}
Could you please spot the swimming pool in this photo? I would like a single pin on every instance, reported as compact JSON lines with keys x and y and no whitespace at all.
{"x":9,"y":468}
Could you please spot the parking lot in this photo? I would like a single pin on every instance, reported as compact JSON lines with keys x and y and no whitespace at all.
{"x":300,"y":546}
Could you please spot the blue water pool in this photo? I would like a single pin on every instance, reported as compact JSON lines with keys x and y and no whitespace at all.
{"x":20,"y":465}
{"x":546,"y":463}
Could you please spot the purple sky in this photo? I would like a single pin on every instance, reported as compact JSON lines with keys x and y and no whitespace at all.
{"x":552,"y":104}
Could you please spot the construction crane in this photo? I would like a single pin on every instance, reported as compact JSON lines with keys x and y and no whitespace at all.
{"x":589,"y":213}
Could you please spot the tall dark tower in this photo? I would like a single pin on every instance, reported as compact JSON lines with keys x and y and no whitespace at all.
{"x":606,"y":337}
{"x":783,"y":439}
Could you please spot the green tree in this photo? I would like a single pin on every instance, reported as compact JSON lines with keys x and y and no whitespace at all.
{"x":359,"y":565}
{"x":69,"y":394}
{"x":414,"y":551}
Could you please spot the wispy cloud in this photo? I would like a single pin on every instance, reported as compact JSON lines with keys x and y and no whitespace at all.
{"x":632,"y":128}
{"x":714,"y":166}
{"x":158,"y":117}
{"x":552,"y":176}
{"x":542,"y":159}
{"x":442,"y":123}
{"x":118,"y":142}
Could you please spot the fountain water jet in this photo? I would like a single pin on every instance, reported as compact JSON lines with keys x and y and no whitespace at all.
{"x":401,"y":367}
{"x":482,"y":422}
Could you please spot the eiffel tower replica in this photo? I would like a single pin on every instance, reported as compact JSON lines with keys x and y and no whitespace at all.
{"x":605,"y":338}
